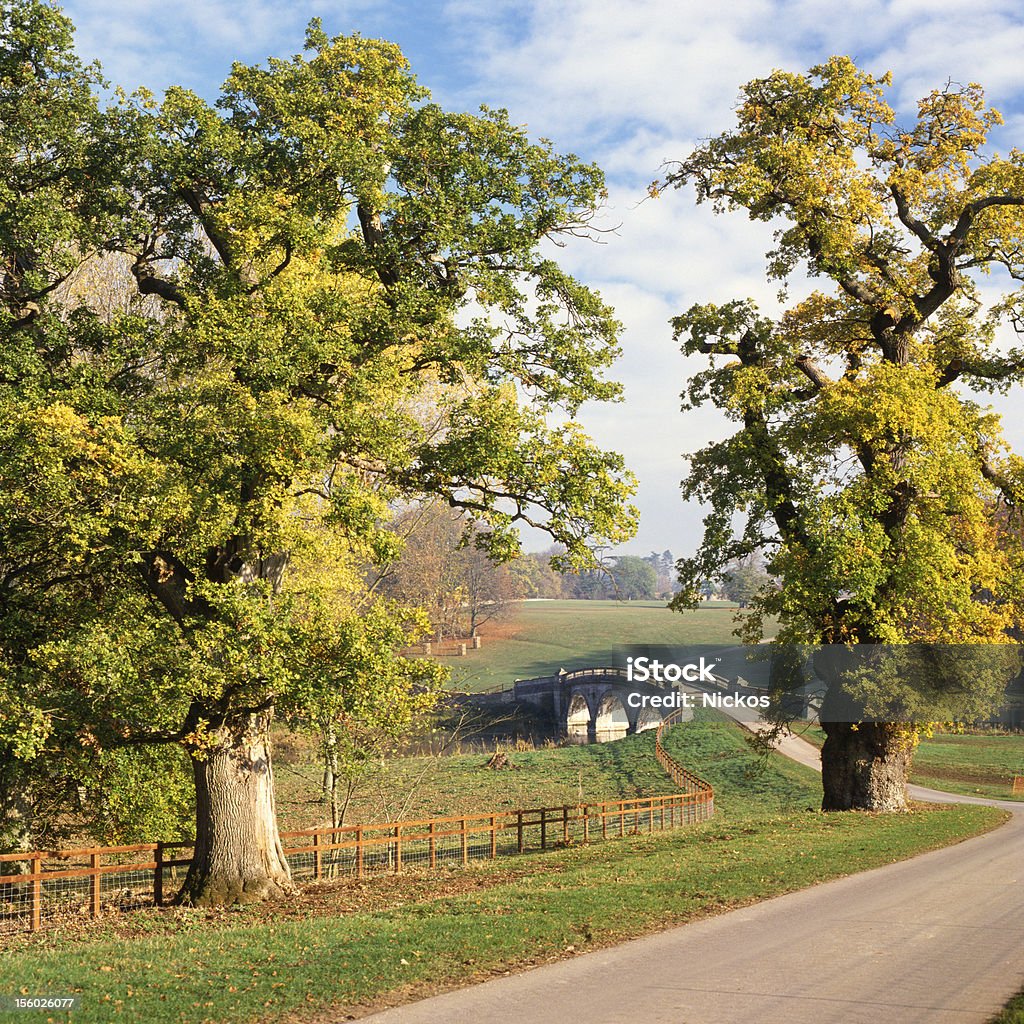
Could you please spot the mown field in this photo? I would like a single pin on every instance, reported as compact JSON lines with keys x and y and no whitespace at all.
{"x":352,"y":945}
{"x":982,"y":764}
{"x":542,"y":636}
{"x":976,"y":764}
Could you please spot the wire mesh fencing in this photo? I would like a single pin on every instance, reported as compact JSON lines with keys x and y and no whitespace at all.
{"x":361,"y":850}
{"x":38,"y":886}
{"x":41,"y":888}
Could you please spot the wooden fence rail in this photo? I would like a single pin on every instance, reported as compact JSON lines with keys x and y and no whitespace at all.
{"x":86,"y":882}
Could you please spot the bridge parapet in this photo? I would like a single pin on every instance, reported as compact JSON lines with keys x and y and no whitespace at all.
{"x":602,"y":672}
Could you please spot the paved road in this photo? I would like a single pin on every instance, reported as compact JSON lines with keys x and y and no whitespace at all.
{"x":937,"y":939}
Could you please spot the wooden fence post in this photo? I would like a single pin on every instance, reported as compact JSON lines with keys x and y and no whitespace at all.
{"x":359,"y":851}
{"x":37,"y":893}
{"x":317,"y":856}
{"x":465,"y":844}
{"x":543,"y":829}
{"x":519,"y":829}
{"x":398,"y":849}
{"x":494,"y":836}
{"x":586,"y":823}
{"x":94,"y":880}
{"x":158,"y":876}
{"x":565,"y":823}
{"x":433,"y":847}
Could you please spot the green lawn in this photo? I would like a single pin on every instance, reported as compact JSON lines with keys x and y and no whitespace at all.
{"x":543,"y":636}
{"x":360,"y":943}
{"x":977,"y":764}
{"x":422,"y":787}
{"x":425,"y":787}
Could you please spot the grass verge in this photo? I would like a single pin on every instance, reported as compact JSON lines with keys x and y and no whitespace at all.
{"x":1013,"y":1012}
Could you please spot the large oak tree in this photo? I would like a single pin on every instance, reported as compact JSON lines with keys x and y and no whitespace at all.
{"x":313,"y":259}
{"x":863,"y":461}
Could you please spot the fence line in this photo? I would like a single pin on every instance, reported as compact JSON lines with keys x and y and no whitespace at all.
{"x":85,"y":883}
{"x":681,"y":776}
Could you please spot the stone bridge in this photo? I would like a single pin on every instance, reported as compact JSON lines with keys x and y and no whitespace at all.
{"x":590,"y":705}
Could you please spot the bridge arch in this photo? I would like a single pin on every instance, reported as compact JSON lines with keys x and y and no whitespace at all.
{"x":611,"y":721}
{"x":647,"y":718}
{"x":578,"y":719}
{"x":593,"y":704}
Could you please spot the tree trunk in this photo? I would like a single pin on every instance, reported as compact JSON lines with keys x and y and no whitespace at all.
{"x":864,"y":766}
{"x":16,"y":819}
{"x":330,"y":780}
{"x":238,"y":855}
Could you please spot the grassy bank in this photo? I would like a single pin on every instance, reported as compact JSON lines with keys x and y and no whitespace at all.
{"x":423,"y":787}
{"x":359,"y":943}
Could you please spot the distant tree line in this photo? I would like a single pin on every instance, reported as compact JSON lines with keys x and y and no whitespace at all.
{"x":622,"y":578}
{"x":444,"y":569}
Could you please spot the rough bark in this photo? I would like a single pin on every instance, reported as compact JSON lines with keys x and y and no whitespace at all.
{"x":17,"y":815}
{"x":238,"y":855}
{"x":864,"y":766}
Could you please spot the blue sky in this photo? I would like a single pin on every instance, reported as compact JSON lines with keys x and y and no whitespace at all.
{"x":627,"y":84}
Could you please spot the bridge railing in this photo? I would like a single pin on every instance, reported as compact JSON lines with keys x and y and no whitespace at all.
{"x":588,"y":673}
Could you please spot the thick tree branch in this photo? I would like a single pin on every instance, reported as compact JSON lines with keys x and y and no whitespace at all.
{"x":810,"y":369}
{"x":200,"y":206}
{"x":149,"y":283}
{"x":909,"y":221}
{"x":1011,"y":492}
{"x":970,"y":212}
{"x":373,"y":236}
{"x":167,"y":579}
